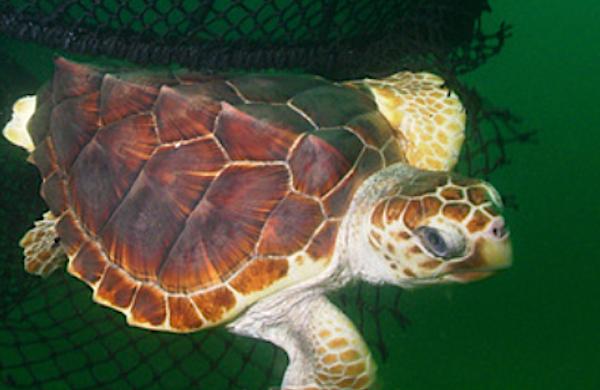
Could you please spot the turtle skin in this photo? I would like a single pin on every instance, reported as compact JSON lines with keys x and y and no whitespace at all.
{"x":183,"y":198}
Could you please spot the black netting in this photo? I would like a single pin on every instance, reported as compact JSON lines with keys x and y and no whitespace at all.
{"x":336,"y":38}
{"x":51,"y":334}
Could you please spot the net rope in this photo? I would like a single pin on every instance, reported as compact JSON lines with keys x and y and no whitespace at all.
{"x":52,"y":336}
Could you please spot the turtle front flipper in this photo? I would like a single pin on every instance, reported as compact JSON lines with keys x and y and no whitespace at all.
{"x":428,"y":116}
{"x":43,"y":253}
{"x":325,"y":350}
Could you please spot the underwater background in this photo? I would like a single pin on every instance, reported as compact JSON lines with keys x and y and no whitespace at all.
{"x":537,"y":325}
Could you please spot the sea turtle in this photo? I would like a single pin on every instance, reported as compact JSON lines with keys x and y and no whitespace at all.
{"x":187,"y":200}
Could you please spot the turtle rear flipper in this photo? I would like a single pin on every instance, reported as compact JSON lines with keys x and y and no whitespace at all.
{"x":43,"y":253}
{"x":16,"y":130}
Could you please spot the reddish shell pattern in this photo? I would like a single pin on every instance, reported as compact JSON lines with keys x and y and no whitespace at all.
{"x":182,"y":197}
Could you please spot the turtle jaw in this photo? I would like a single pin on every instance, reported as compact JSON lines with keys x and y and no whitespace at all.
{"x":490,"y":256}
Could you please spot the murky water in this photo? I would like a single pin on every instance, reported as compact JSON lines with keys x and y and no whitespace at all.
{"x":536,"y":325}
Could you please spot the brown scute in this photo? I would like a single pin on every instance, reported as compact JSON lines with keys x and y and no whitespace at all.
{"x":70,"y":233}
{"x":152,"y":215}
{"x":224,"y":228}
{"x":373,"y":128}
{"x":183,"y":316}
{"x":72,"y":125}
{"x":73,"y":79}
{"x":120,"y":99}
{"x":290,"y":226}
{"x":431,"y":206}
{"x":318,"y":104}
{"x":337,"y":201}
{"x":452,"y":193}
{"x":394,"y":152}
{"x":395,"y":208}
{"x":323,"y":244}
{"x":317,"y":166}
{"x":477,"y":195}
{"x":456,"y":211}
{"x":478,"y":222}
{"x":274,"y":88}
{"x":214,"y":304}
{"x":107,"y":167}
{"x":413,"y":214}
{"x":89,"y":264}
{"x":155,"y":79}
{"x":38,"y":126}
{"x":116,"y":288}
{"x":53,"y":192}
{"x":183,"y":113}
{"x":149,"y":306}
{"x":213,"y":87}
{"x":259,"y":274}
{"x":44,"y":158}
{"x":259,"y":132}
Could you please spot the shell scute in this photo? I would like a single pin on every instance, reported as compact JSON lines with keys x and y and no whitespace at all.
{"x":149,"y":306}
{"x":215,"y":303}
{"x":121,"y":99}
{"x":89,"y":264}
{"x":224,"y":228}
{"x":183,"y":315}
{"x":260,"y":274}
{"x":153,"y":213}
{"x":290,"y":226}
{"x":72,"y":236}
{"x":259,"y":132}
{"x":323,"y":244}
{"x":323,"y":106}
{"x":277,"y":88}
{"x":72,"y":125}
{"x":185,"y":112}
{"x":322,"y":159}
{"x":337,"y":201}
{"x":53,"y":188}
{"x":38,"y":126}
{"x":372,"y":127}
{"x":44,"y":158}
{"x":73,"y":79}
{"x":107,"y":167}
{"x":116,"y":288}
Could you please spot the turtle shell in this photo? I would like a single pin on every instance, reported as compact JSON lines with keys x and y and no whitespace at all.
{"x":183,"y":198}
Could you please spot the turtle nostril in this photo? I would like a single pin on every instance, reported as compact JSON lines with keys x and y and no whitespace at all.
{"x":498,"y":229}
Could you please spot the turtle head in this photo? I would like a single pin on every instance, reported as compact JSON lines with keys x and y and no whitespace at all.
{"x":437,"y":228}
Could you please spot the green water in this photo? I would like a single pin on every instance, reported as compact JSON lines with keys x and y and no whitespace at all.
{"x":537,"y":325}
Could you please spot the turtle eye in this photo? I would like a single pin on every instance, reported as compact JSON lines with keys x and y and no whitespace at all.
{"x":445,"y":244}
{"x":433,"y":241}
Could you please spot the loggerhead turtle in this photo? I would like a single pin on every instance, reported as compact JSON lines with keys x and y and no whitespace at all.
{"x":187,"y":201}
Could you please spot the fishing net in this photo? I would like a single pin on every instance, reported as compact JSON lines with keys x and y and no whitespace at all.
{"x":335,"y":38}
{"x":51,"y":334}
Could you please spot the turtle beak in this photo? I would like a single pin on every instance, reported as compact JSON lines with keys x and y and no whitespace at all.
{"x":493,"y":252}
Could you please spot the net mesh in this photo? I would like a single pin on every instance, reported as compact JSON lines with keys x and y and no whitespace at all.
{"x":51,"y":334}
{"x":334,"y":38}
